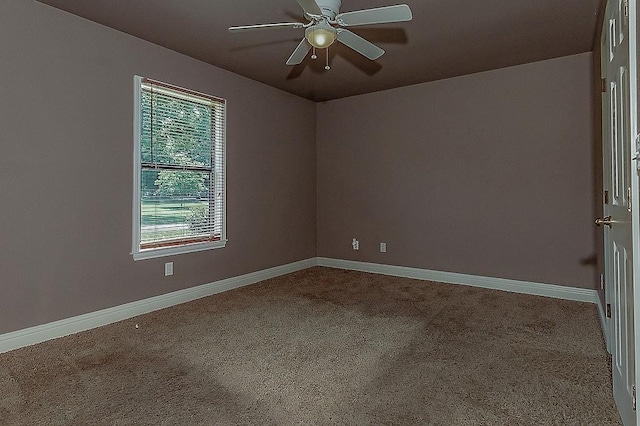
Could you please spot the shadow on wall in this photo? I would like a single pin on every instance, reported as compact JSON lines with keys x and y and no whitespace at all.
{"x":590,"y":260}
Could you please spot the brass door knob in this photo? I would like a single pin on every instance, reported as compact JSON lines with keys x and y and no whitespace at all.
{"x":606,"y":221}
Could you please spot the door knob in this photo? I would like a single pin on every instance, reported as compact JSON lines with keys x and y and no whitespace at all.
{"x":604,"y":221}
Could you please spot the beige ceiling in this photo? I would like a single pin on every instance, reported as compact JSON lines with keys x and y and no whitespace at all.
{"x":446,"y":38}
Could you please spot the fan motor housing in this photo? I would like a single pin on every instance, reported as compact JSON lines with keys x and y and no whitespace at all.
{"x":330,"y":8}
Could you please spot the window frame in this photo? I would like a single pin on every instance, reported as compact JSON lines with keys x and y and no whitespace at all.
{"x":218,"y":171}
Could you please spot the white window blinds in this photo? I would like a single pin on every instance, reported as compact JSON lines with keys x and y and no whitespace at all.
{"x":181,"y":167}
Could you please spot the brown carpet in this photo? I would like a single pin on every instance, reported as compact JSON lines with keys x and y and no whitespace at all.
{"x":324,"y":346}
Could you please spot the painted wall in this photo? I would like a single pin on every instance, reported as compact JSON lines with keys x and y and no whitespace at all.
{"x":488,"y":174}
{"x":66,"y":165}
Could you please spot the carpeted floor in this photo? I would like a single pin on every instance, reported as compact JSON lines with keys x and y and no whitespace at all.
{"x":324,"y":346}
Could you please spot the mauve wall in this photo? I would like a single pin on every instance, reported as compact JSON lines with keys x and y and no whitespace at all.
{"x":66,"y":88}
{"x":489,"y":174}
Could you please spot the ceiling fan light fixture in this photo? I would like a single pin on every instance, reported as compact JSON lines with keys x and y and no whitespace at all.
{"x":321,"y":35}
{"x":326,"y":26}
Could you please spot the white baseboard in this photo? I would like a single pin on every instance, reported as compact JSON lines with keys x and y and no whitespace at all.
{"x":65,"y":327}
{"x":516,"y":286}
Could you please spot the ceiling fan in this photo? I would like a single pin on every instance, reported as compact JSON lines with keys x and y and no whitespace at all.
{"x":326,"y":25}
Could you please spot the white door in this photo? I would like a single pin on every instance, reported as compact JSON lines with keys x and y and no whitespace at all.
{"x":618,"y":233}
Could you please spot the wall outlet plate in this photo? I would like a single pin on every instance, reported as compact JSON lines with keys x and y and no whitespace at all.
{"x":168,"y":269}
{"x":383,"y":247}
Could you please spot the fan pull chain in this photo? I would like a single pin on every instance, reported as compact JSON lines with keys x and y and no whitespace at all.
{"x":327,"y":67}
{"x":313,"y":53}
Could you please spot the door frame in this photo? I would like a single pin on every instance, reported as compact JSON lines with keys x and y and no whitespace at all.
{"x":634,"y":151}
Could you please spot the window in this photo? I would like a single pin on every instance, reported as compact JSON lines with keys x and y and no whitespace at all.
{"x":179,"y":170}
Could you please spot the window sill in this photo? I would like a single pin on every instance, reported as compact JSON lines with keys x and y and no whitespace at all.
{"x":175,"y":250}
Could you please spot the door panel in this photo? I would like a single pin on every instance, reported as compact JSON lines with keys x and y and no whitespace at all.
{"x":618,"y":239}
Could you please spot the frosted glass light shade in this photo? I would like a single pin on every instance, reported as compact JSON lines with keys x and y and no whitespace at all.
{"x":321,"y":35}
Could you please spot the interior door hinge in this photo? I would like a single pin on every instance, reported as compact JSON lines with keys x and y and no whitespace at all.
{"x":603,"y":85}
{"x":629,"y":198}
{"x":608,"y":310}
{"x":606,"y":197}
{"x":626,"y":8}
{"x":636,"y":158}
{"x":634,"y":398}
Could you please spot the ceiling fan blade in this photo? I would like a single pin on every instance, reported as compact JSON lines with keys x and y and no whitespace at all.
{"x":380,"y":15}
{"x":359,"y":44}
{"x":267,"y":26}
{"x":310,"y":7}
{"x":299,"y":53}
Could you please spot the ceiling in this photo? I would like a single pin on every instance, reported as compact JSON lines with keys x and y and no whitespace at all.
{"x":446,"y":38}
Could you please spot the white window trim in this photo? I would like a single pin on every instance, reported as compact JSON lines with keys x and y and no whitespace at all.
{"x":136,"y":229}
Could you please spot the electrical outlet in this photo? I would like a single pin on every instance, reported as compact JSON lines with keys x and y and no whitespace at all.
{"x":601,"y":281}
{"x":383,"y":247}
{"x":168,"y":269}
{"x":355,"y":244}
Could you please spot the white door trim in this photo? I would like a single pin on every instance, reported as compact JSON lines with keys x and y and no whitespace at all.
{"x":635,"y":182}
